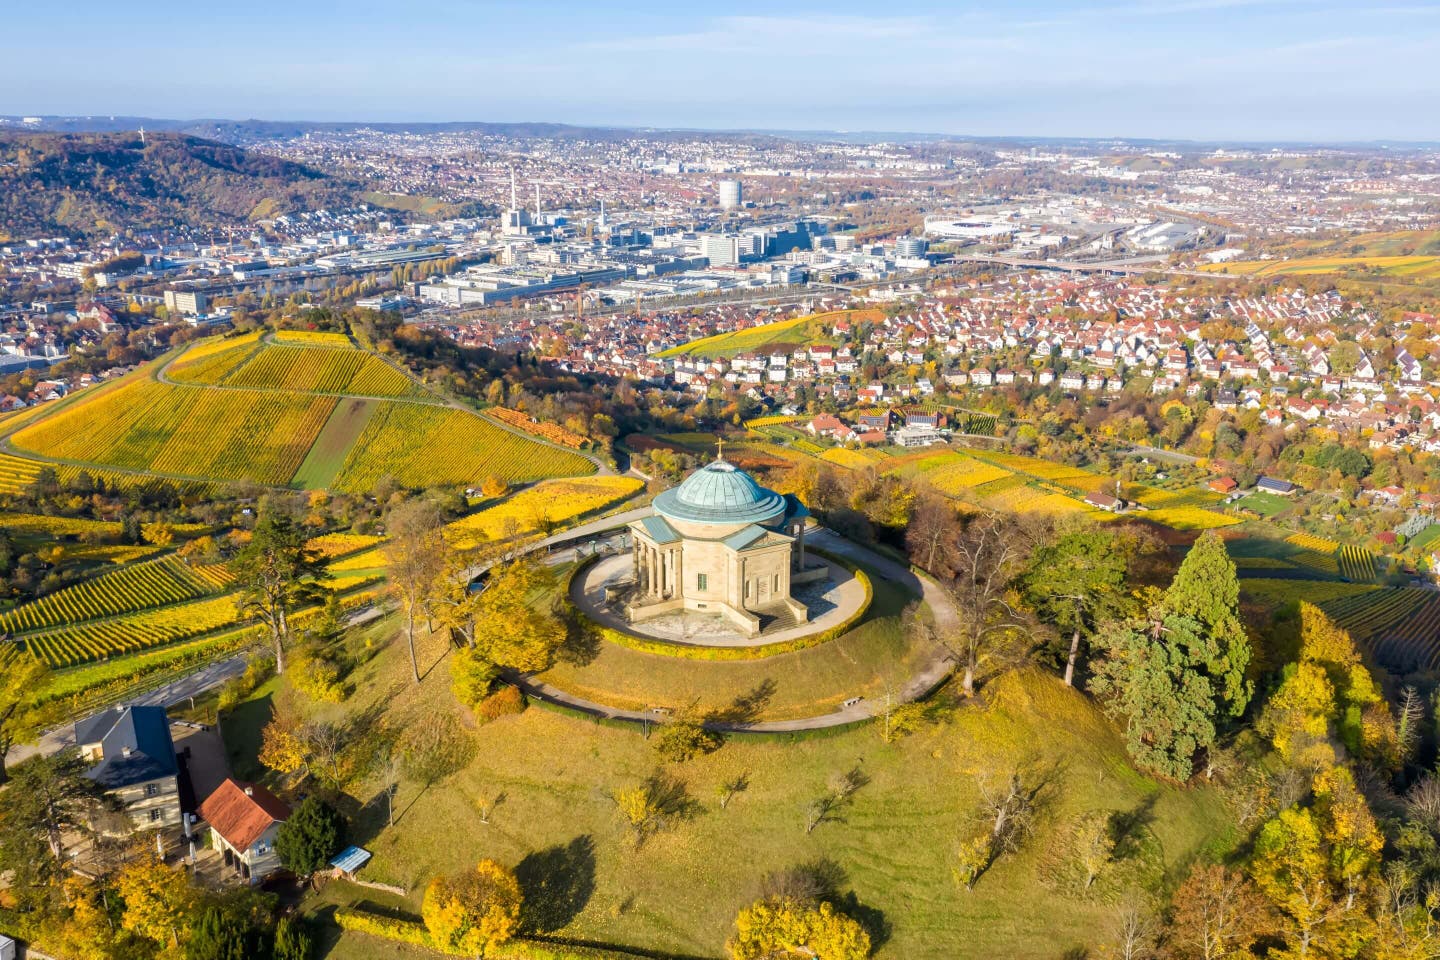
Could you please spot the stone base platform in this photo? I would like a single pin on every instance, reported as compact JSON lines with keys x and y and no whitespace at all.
{"x":829,"y":595}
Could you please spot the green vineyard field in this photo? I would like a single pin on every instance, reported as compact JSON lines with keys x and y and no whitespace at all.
{"x":131,"y":588}
{"x":98,"y":639}
{"x":423,"y":446}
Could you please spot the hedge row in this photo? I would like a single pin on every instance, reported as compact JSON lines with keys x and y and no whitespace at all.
{"x":414,"y":932}
{"x":693,"y":652}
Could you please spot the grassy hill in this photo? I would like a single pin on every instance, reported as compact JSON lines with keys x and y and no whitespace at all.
{"x":893,"y":845}
{"x":312,"y":416}
{"x":94,"y":184}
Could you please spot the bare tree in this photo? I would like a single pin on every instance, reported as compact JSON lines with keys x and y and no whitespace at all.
{"x":1408,"y":720}
{"x":415,"y":556}
{"x":934,"y":525}
{"x":1135,"y":932}
{"x":730,"y":788}
{"x":1010,"y":810}
{"x":988,"y":555}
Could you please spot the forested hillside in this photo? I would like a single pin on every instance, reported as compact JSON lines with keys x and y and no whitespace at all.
{"x":91,"y":184}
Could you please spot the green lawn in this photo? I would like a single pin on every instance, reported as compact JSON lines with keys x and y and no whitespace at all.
{"x":550,"y":780}
{"x":893,"y":844}
{"x":1268,"y":505}
{"x":805,"y":683}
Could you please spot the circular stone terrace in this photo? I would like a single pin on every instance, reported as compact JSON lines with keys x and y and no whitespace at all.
{"x":830,"y":602}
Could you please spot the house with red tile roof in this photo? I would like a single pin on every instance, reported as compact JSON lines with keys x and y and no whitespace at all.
{"x":244,"y":820}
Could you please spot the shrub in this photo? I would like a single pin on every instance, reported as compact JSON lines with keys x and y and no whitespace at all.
{"x":502,"y":703}
{"x":471,"y":677}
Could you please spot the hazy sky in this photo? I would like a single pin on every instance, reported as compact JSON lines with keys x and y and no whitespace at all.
{"x":1245,"y":69}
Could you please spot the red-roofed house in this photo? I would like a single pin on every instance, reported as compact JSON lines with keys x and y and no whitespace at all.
{"x":244,"y":819}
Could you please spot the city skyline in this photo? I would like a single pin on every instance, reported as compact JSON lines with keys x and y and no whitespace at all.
{"x":1270,"y":70}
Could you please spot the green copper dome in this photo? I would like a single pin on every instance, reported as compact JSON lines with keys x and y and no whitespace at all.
{"x":720,"y":493}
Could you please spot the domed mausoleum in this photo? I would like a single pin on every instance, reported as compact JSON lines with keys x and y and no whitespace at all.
{"x":720,"y":543}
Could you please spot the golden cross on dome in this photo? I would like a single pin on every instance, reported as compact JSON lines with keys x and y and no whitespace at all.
{"x":719,"y":448}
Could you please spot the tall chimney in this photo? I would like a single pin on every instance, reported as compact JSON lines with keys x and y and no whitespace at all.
{"x":537,"y":203}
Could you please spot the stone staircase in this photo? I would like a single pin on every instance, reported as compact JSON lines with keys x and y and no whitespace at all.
{"x":775,"y":618}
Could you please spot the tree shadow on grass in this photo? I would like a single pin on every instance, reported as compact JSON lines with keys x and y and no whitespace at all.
{"x":242,"y":728}
{"x":582,"y":641}
{"x":557,"y":883}
{"x":1128,"y":828}
{"x":747,"y":707}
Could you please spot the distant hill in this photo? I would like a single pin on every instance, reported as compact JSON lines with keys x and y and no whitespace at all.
{"x":96,"y":183}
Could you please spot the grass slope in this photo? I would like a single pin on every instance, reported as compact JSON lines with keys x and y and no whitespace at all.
{"x":796,"y":330}
{"x":894,"y":843}
{"x":347,"y":422}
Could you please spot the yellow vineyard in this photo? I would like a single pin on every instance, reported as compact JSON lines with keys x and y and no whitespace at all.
{"x":541,"y":508}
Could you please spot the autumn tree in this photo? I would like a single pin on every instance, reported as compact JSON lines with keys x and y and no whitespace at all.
{"x":685,"y":736}
{"x":22,"y":680}
{"x":1218,"y":914}
{"x":473,"y":911}
{"x":415,"y":559}
{"x":1328,"y":693}
{"x":778,"y":927}
{"x":277,"y":574}
{"x":1092,"y":844}
{"x":158,"y":900}
{"x":512,"y":628}
{"x":1314,"y":864}
{"x":987,"y":557}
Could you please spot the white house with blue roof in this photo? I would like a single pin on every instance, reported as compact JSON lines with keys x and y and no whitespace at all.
{"x":132,"y":757}
{"x":720,"y":543}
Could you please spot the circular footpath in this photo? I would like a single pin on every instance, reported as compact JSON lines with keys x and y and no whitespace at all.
{"x":937,"y":666}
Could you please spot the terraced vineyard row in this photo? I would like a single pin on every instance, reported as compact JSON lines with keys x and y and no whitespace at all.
{"x":546,"y":431}
{"x":982,"y":424}
{"x":422,"y":446}
{"x":17,"y":473}
{"x":99,"y":639}
{"x":1307,"y":541}
{"x":1401,"y":625}
{"x":849,"y":459}
{"x":148,"y":425}
{"x":139,"y":586}
{"x":209,"y":362}
{"x":322,"y":370}
{"x":318,"y":338}
{"x":1190,"y":518}
{"x":1356,"y":563}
